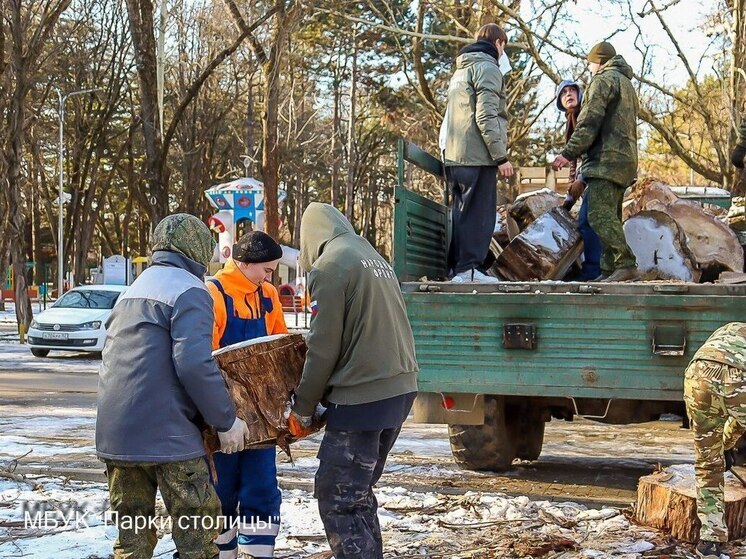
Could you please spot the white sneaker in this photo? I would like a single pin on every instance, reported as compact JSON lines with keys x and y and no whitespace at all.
{"x":473,"y":276}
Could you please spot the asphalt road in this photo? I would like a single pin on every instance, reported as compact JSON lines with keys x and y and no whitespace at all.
{"x":63,"y":379}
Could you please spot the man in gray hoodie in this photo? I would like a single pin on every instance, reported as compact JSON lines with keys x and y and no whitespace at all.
{"x":476,"y":149}
{"x":361,"y":363}
{"x":158,"y":385}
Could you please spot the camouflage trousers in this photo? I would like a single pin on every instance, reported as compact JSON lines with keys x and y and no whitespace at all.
{"x":605,"y":218}
{"x":715,"y":396}
{"x":350,"y":464}
{"x":190,"y":499}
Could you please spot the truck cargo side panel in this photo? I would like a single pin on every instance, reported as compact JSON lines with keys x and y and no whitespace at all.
{"x":587,"y":346}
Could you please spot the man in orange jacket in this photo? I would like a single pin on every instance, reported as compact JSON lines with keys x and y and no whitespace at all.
{"x":247,"y":306}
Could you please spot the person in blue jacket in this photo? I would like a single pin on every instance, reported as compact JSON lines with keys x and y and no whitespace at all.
{"x":569,"y":98}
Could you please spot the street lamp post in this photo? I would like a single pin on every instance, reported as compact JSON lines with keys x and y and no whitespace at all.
{"x":60,"y":200}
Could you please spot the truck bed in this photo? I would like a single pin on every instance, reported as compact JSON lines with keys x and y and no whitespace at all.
{"x":562,"y":339}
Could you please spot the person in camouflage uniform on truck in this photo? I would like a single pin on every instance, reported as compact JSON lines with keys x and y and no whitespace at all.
{"x":606,"y":133}
{"x":715,"y":396}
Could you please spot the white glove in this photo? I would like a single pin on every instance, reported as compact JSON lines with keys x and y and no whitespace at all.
{"x":234,"y":439}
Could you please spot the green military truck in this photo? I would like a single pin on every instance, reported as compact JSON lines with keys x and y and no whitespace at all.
{"x":499,"y":361}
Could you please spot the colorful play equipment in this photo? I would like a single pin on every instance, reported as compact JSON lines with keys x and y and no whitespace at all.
{"x":236,"y":201}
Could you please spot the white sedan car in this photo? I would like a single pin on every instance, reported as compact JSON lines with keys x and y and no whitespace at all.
{"x":76,"y":321}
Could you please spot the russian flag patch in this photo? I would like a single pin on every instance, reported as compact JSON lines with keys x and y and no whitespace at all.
{"x":314,"y":307}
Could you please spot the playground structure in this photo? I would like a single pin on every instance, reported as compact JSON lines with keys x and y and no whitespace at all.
{"x":241,"y":201}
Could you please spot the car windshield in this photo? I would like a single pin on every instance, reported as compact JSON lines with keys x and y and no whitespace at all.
{"x":88,"y":299}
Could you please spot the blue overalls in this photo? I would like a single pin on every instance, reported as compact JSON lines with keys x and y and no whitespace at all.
{"x":247,"y":480}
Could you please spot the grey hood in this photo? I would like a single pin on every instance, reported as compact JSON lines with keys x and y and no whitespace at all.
{"x":320,"y":224}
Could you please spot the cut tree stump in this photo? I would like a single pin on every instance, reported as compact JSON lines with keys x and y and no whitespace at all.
{"x":261,"y":374}
{"x":659,"y":245}
{"x":643,"y":193}
{"x":506,"y":228}
{"x":666,"y":500}
{"x":713,"y":244}
{"x":527,"y":208}
{"x":544,"y":251}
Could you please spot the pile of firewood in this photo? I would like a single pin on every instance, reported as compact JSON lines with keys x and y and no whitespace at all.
{"x":673,"y":239}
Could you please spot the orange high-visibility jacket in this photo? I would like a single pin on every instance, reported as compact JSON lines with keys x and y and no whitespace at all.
{"x":245,"y":295}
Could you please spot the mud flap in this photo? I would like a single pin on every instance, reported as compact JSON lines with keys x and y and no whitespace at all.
{"x":456,"y":408}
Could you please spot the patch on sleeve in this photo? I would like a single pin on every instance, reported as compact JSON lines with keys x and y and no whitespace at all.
{"x":314,"y":307}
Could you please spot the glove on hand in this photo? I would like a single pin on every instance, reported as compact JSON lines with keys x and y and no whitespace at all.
{"x":234,"y":439}
{"x":576,"y":189}
{"x":736,"y":157}
{"x":299,"y":426}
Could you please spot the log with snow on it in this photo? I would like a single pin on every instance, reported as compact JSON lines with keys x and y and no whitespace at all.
{"x":506,"y":227}
{"x":528,"y":207}
{"x":659,"y":245}
{"x":545,"y":250}
{"x":714,"y":245}
{"x":666,"y":500}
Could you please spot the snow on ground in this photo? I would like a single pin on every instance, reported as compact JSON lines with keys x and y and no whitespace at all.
{"x":477,"y":525}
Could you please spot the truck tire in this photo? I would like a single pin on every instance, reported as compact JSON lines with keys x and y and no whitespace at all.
{"x":527,"y":427}
{"x":489,"y":447}
{"x":39,"y":352}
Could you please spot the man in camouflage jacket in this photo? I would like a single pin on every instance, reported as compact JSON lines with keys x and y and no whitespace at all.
{"x":715,"y":396}
{"x":606,"y":134}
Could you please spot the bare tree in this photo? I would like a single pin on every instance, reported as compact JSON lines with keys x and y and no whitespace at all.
{"x":30,"y":30}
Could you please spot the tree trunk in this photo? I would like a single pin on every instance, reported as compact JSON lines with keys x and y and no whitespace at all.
{"x":335,"y":147}
{"x":659,"y":246}
{"x":351,"y":155}
{"x":666,"y":500}
{"x":143,"y":39}
{"x":738,"y":80}
{"x":14,"y":202}
{"x":544,"y":250}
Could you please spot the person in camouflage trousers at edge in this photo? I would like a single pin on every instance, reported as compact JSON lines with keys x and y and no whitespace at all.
{"x":715,"y":396}
{"x":606,"y":135}
{"x":739,"y":152}
{"x":158,"y":384}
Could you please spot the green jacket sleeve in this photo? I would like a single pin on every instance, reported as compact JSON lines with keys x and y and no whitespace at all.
{"x":742,"y":132}
{"x":488,"y":85}
{"x":590,"y":119}
{"x":324,"y":339}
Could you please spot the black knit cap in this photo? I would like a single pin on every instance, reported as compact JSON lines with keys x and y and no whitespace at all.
{"x":255,"y":247}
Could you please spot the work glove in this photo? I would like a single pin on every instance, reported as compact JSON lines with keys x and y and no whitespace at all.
{"x":576,"y":189}
{"x":736,"y":157}
{"x":299,"y":426}
{"x":234,"y":439}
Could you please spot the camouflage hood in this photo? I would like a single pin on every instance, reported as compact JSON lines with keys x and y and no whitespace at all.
{"x":187,"y":235}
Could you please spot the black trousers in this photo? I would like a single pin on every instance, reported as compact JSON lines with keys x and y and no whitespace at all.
{"x":351,"y":463}
{"x":473,"y":214}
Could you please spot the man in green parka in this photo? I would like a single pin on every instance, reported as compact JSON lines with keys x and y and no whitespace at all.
{"x":606,"y":134}
{"x":475,"y":150}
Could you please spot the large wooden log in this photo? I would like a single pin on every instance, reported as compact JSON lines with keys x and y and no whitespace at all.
{"x":527,"y":208}
{"x":660,"y":246}
{"x":643,"y":193}
{"x":544,"y":250}
{"x":260,"y":375}
{"x":506,"y":227}
{"x":713,"y":244}
{"x":666,"y":500}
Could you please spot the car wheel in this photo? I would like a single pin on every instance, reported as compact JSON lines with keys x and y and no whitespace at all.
{"x":39,"y":352}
